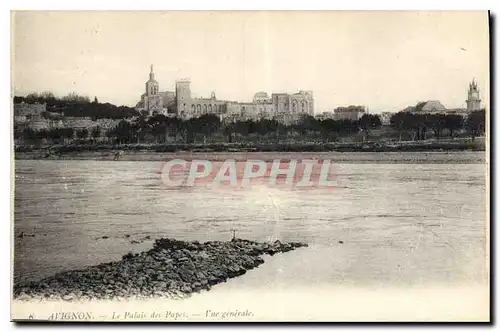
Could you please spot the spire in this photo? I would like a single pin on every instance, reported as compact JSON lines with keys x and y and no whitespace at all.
{"x":151,"y":74}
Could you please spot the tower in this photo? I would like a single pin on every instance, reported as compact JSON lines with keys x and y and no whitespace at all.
{"x":152,"y":86}
{"x":473,"y":100}
{"x":152,"y":99}
{"x":182,"y":96}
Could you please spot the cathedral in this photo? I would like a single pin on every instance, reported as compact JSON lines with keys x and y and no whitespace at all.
{"x":153,"y":101}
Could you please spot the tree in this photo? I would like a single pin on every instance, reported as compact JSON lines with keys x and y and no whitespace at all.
{"x":124,"y":132}
{"x":453,"y":122}
{"x":475,"y":123}
{"x":368,"y":122}
{"x":29,"y":134}
{"x":437,"y":123}
{"x":68,"y":132}
{"x":82,"y":133}
{"x":414,"y":124}
{"x":95,"y":132}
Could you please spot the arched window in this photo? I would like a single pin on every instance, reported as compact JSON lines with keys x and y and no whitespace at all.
{"x":198,"y":109}
{"x":294,"y":106}
{"x":204,"y":109}
{"x":193,"y":108}
{"x":209,"y":108}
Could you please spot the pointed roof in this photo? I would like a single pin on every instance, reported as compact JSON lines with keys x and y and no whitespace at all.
{"x":152,"y":76}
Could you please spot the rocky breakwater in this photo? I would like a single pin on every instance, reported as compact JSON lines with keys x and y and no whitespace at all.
{"x":171,"y":269}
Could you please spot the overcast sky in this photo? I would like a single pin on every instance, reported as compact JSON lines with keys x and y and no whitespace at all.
{"x":384,"y":60}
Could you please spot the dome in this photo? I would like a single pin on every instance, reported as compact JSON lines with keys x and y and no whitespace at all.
{"x":260,"y":97}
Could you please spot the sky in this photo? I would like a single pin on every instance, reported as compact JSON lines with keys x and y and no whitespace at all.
{"x":383,"y":60}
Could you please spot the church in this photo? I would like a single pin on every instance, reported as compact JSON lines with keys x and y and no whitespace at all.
{"x":153,"y":101}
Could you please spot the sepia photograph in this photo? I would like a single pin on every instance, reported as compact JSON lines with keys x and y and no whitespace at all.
{"x":250,"y":166}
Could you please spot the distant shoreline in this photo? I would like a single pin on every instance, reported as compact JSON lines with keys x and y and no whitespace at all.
{"x":105,"y":150}
{"x":423,"y":152}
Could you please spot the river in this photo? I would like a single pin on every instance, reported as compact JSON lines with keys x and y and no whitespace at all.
{"x":385,"y":224}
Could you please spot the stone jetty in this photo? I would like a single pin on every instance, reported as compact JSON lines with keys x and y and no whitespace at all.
{"x":171,"y":269}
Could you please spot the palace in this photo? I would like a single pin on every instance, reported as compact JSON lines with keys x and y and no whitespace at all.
{"x":283,"y":107}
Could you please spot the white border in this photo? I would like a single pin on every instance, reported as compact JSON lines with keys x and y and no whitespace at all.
{"x":5,"y":131}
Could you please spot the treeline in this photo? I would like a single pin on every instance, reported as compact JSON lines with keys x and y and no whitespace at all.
{"x":57,"y":135}
{"x":74,"y":105}
{"x":208,"y":127}
{"x":418,"y":126}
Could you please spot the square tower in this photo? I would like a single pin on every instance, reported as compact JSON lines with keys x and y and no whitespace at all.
{"x":183,"y":96}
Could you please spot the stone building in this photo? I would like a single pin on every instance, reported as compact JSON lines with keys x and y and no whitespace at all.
{"x":281,"y":106}
{"x":152,"y":101}
{"x":352,"y":112}
{"x":188,"y":107}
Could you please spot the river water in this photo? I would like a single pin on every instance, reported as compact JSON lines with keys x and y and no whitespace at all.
{"x":385,"y":224}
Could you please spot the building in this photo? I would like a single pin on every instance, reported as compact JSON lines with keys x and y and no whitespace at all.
{"x":435,"y":107}
{"x":327,"y":115}
{"x":283,"y":107}
{"x":28,"y":110}
{"x":385,"y":118}
{"x":473,"y":101}
{"x":188,"y":107}
{"x":427,"y":107}
{"x":353,"y":113}
{"x":152,"y":100}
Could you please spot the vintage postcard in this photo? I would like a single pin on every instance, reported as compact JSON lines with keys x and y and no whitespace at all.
{"x":265,"y":166}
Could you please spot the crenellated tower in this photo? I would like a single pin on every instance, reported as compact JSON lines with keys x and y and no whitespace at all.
{"x":473,"y":100}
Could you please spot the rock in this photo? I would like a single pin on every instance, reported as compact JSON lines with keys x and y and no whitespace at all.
{"x":128,"y":256}
{"x":23,"y":234}
{"x":186,"y":289}
{"x":171,"y":269}
{"x":105,"y":237}
{"x":341,"y":242}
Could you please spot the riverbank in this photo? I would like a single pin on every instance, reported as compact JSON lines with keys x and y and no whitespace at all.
{"x":108,"y":151}
{"x":429,"y":157}
{"x":171,"y":269}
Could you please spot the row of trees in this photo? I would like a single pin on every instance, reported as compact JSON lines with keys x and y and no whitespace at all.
{"x":209,"y":127}
{"x":57,"y":134}
{"x":160,"y":128}
{"x":418,"y":125}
